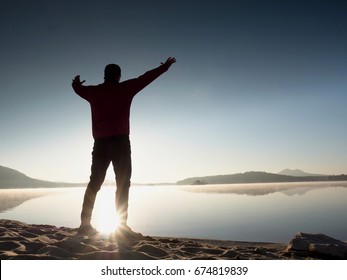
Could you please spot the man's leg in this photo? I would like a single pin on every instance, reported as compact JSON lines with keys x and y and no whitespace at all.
{"x":100,"y":163}
{"x":122,"y":168}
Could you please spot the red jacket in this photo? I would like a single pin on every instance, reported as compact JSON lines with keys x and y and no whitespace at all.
{"x":110,"y":102}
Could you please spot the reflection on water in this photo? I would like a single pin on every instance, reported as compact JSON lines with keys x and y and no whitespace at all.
{"x":14,"y":197}
{"x":297,"y":188}
{"x":248,"y":212}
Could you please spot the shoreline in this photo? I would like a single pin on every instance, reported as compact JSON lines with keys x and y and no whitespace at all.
{"x":24,"y":241}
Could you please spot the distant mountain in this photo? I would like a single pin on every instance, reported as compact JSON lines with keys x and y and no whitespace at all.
{"x":257,"y":177}
{"x":10,"y":178}
{"x":297,"y":173}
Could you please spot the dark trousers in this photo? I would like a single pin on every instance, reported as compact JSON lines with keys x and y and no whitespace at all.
{"x":115,"y":149}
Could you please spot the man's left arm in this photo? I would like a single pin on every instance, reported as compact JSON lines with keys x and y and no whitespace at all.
{"x":148,"y":77}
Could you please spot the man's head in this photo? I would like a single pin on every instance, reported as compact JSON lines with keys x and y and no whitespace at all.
{"x":112,"y":73}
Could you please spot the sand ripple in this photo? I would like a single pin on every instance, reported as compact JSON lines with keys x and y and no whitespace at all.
{"x":24,"y":241}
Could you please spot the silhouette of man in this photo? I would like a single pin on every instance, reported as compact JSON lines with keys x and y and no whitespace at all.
{"x":110,"y":107}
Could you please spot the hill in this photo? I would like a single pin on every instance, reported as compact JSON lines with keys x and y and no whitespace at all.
{"x":297,"y":173}
{"x":10,"y":178}
{"x":256,"y":177}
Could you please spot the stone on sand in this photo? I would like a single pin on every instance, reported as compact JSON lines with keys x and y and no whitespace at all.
{"x":318,"y":244}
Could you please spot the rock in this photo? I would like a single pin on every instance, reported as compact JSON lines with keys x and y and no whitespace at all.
{"x":318,"y":244}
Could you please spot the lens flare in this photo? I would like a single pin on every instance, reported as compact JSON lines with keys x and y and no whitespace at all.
{"x":105,"y":219}
{"x":106,"y":224}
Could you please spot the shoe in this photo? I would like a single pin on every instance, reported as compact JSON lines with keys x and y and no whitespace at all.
{"x":127,"y":232}
{"x":87,"y":230}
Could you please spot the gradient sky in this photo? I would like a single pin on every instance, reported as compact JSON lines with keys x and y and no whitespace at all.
{"x":258,"y":85}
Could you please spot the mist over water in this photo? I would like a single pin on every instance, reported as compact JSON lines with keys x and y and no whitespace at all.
{"x":244,"y":212}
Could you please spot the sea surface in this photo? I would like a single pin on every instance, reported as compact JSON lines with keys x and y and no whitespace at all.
{"x":271,"y":212}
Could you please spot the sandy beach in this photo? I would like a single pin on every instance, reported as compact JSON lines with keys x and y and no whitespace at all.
{"x":25,"y":241}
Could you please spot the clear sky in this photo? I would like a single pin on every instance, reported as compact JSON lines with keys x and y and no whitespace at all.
{"x":258,"y":85}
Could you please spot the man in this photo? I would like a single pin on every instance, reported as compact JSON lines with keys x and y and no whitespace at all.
{"x":110,"y":106}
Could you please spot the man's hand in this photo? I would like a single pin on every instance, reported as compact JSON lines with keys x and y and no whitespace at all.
{"x":77,"y":82}
{"x":169,"y":62}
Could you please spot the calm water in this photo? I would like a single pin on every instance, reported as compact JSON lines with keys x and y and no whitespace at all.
{"x":244,"y":212}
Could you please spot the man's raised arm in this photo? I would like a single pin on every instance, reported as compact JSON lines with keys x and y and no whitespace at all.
{"x":151,"y":75}
{"x":78,"y":87}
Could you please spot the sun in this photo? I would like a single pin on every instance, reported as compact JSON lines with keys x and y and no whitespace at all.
{"x":105,"y":218}
{"x":107,"y":224}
